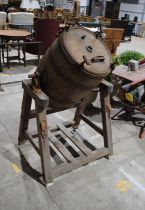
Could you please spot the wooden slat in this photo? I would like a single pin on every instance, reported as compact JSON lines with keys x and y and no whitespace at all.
{"x":77,"y":150}
{"x":95,"y":127}
{"x":65,"y":167}
{"x":61,"y":148}
{"x":55,"y":155}
{"x":106,"y":118}
{"x":78,"y":143}
{"x":67,"y":124}
{"x":58,"y":153}
{"x":55,"y":129}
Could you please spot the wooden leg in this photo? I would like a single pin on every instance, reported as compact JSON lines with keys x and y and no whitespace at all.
{"x":3,"y":56}
{"x":24,"y":53}
{"x":44,"y":142}
{"x":1,"y":67}
{"x":25,"y":111}
{"x":19,"y":56}
{"x":80,"y":109}
{"x":8,"y":56}
{"x":106,"y":118}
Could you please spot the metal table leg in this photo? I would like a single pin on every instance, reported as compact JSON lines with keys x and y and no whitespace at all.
{"x":1,"y":67}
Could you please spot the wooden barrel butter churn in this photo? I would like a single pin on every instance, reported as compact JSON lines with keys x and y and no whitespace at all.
{"x":74,"y":64}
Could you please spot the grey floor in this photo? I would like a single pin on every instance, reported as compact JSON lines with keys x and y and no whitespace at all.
{"x":114,"y":184}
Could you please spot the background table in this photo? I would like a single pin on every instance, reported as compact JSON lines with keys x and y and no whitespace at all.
{"x":122,"y":71}
{"x":13,"y":35}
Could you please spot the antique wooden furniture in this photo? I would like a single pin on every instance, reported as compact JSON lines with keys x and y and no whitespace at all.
{"x":124,"y":24}
{"x":112,"y":10}
{"x":45,"y":30}
{"x":64,"y":78}
{"x":106,"y":22}
{"x":13,"y":35}
{"x":113,"y":37}
{"x":90,"y":24}
{"x":55,"y":142}
{"x":80,"y":58}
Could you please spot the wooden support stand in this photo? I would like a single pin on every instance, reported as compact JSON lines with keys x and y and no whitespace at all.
{"x":63,"y":137}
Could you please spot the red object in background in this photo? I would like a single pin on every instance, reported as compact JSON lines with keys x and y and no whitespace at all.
{"x":141,"y":61}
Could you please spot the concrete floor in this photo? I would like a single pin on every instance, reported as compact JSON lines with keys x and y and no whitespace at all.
{"x":114,"y":184}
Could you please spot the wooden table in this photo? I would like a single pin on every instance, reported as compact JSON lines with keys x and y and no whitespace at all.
{"x":122,"y":71}
{"x":11,"y":34}
{"x":113,"y":37}
{"x":14,"y":35}
{"x":130,"y":104}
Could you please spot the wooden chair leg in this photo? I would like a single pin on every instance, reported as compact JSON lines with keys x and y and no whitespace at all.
{"x":3,"y":47}
{"x":19,"y":54}
{"x":24,"y":53}
{"x":41,"y":116}
{"x":25,"y":111}
{"x":8,"y":57}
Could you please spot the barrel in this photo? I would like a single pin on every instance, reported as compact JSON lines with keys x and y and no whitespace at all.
{"x":73,"y":65}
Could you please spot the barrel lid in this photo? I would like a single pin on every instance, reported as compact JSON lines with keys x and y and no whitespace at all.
{"x":83,"y":48}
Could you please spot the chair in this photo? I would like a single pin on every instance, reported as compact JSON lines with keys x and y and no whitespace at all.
{"x":124,"y":24}
{"x":131,"y":95}
{"x":115,"y":23}
{"x":129,"y":31}
{"x":21,"y":20}
{"x":45,"y":31}
{"x":3,"y":16}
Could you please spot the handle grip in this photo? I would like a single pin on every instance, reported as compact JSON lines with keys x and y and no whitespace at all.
{"x":96,"y":59}
{"x":86,"y":60}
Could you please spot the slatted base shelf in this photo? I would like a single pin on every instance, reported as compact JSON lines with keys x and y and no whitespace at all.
{"x":61,"y":149}
{"x":67,"y":150}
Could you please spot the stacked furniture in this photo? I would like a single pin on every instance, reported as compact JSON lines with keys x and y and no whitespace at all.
{"x":124,"y":24}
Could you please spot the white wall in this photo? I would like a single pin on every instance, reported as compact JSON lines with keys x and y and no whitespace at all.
{"x":83,"y":6}
{"x":133,"y":10}
{"x":65,"y":4}
{"x":4,"y":1}
{"x":84,"y":2}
